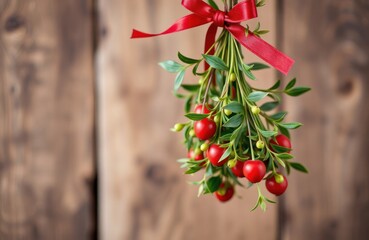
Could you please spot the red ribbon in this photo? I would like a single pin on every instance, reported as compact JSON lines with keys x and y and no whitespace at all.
{"x":245,"y":10}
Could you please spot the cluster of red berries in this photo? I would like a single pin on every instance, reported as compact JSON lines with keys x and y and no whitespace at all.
{"x":253,"y":170}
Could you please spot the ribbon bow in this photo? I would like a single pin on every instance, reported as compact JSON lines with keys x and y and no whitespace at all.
{"x":245,"y":10}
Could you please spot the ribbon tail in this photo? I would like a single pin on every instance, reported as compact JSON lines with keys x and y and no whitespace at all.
{"x":184,"y":23}
{"x":262,"y":49}
{"x":243,"y":11}
{"x":209,"y":42}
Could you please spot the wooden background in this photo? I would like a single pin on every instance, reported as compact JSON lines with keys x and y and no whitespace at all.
{"x":85,"y":112}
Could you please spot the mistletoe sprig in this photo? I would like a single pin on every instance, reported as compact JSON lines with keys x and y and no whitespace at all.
{"x":229,"y":135}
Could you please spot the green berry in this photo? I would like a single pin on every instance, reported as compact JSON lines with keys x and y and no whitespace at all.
{"x":232,"y":163}
{"x":232,"y":77}
{"x":178,"y":127}
{"x":216,"y":119}
{"x":255,"y":110}
{"x":222,"y":191}
{"x":201,"y":81}
{"x":197,"y":151}
{"x":192,"y":133}
{"x":260,"y":144}
{"x":204,"y":147}
{"x":279,"y":178}
{"x":227,"y":112}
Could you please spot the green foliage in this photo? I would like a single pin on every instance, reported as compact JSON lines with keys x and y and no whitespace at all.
{"x":215,"y":62}
{"x":258,"y":66}
{"x":234,"y":121}
{"x":196,"y":117}
{"x":187,"y":59}
{"x":171,"y":66}
{"x":235,"y":107}
{"x":257,"y":96}
{"x":178,"y":80}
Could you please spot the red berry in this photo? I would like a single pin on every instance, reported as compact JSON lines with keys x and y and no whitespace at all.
{"x":214,"y":153}
{"x":276,"y":188}
{"x":281,"y":140}
{"x":234,"y":93}
{"x":238,"y":169}
{"x":205,"y":129}
{"x":227,"y":195}
{"x":254,"y":170}
{"x":197,"y":157}
{"x":199,"y":107}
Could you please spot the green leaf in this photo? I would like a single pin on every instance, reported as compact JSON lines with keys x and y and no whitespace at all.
{"x":191,"y":88}
{"x":188,"y":104}
{"x":213,"y":4}
{"x":235,"y":107}
{"x":193,"y":170}
{"x":278,"y":116}
{"x":276,"y":85}
{"x":246,"y":70}
{"x":290,"y":84}
{"x":215,"y":62}
{"x":256,"y":96}
{"x":280,"y":161}
{"x":260,"y":3}
{"x":291,"y":125}
{"x":261,"y":32}
{"x":226,"y":154}
{"x":250,"y":75}
{"x":234,"y":178}
{"x":213,"y":184}
{"x":178,"y":80}
{"x":235,"y":134}
{"x":201,"y":190}
{"x":257,"y":27}
{"x":178,"y":95}
{"x":194,"y":69}
{"x":258,"y":66}
{"x":187,"y":60}
{"x":225,"y":137}
{"x":263,"y":206}
{"x":270,"y":201}
{"x":171,"y":66}
{"x":219,"y":79}
{"x":285,"y":156}
{"x":269,"y":106}
{"x":246,"y":67}
{"x":196,"y":117}
{"x":234,"y":121}
{"x":268,"y":134}
{"x":297,"y":91}
{"x":299,"y":167}
{"x":183,"y":160}
{"x":274,"y":96}
{"x":284,"y":131}
{"x":210,"y":170}
{"x":288,"y":169}
{"x":280,"y":149}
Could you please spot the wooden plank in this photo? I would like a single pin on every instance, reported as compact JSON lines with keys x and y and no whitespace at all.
{"x":47,"y":169}
{"x":330,"y":43}
{"x":144,"y":194}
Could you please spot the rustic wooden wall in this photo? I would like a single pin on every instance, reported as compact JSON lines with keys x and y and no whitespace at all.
{"x":143,"y":193}
{"x":47,"y":168}
{"x":57,"y":123}
{"x":329,"y":40}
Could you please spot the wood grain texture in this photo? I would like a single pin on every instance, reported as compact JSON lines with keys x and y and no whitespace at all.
{"x":47,"y":168}
{"x":330,"y":43}
{"x":143,"y":193}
